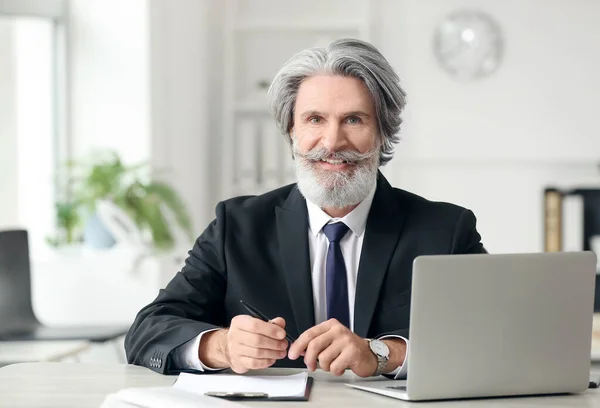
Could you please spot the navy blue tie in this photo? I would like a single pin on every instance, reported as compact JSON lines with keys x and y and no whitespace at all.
{"x":336,"y":282}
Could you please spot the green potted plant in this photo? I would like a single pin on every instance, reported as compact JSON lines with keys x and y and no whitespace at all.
{"x":68,"y":221}
{"x":148,"y":202}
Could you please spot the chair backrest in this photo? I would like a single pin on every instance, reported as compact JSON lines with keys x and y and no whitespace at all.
{"x":15,"y":281}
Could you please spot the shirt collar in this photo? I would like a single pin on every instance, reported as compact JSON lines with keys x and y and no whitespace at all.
{"x":356,"y":219}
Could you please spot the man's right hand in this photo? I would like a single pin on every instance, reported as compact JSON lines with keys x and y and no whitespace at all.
{"x":248,"y":344}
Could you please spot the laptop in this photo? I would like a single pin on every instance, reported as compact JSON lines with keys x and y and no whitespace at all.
{"x":497,"y":325}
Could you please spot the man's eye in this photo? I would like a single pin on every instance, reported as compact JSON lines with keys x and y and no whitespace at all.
{"x":353,"y":120}
{"x":314,"y":119}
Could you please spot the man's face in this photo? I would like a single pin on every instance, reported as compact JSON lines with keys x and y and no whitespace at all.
{"x":335,"y":140}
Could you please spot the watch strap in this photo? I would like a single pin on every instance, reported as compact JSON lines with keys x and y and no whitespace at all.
{"x":381,"y":363}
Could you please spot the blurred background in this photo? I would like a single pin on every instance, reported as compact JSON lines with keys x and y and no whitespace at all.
{"x":124,"y":122}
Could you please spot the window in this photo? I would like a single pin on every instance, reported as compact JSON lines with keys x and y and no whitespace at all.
{"x":31,"y":139}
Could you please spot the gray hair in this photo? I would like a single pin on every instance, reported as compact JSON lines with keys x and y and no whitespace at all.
{"x":345,"y":57}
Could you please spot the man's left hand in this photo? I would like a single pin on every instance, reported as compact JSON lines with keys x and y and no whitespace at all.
{"x":336,"y":348}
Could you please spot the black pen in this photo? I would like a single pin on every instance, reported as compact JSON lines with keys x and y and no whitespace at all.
{"x":256,"y":313}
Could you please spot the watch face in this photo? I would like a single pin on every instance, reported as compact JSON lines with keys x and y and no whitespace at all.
{"x":468,"y":45}
{"x":379,"y":348}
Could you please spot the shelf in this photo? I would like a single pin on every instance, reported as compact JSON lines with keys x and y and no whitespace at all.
{"x":299,"y":25}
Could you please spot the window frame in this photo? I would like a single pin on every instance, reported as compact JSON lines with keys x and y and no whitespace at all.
{"x":53,"y":9}
{"x":57,"y":12}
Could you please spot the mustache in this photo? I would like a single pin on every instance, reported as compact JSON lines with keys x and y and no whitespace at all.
{"x":349,"y":156}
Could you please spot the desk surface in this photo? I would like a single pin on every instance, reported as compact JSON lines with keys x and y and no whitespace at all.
{"x":30,"y":351}
{"x":85,"y":385}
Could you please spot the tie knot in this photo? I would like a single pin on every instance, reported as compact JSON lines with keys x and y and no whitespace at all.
{"x":336,"y":231}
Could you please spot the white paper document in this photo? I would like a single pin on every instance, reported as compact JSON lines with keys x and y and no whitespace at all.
{"x":274,"y":385}
{"x":161,"y":397}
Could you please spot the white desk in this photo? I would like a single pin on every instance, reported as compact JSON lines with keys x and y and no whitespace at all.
{"x":85,"y":385}
{"x":32,"y":351}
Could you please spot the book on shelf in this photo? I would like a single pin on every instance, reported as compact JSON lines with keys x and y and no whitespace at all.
{"x":564,"y":220}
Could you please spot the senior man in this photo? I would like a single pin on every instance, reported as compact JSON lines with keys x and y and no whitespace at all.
{"x":328,"y":259}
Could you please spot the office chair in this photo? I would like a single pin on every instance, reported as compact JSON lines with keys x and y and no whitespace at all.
{"x":17,"y":319}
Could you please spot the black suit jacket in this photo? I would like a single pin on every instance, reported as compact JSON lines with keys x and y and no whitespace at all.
{"x":257,"y":250}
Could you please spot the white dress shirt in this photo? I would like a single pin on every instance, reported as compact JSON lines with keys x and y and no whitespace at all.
{"x":186,"y":356}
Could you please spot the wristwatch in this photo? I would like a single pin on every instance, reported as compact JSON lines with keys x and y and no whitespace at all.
{"x":382,"y":352}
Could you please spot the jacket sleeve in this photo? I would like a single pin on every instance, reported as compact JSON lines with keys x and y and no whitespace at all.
{"x":191,"y":303}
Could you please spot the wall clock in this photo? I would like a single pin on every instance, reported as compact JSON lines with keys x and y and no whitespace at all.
{"x":468,"y":45}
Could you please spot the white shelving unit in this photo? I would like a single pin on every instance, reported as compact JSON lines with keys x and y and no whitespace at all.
{"x":259,"y":36}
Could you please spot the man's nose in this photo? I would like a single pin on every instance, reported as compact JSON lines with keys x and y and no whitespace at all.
{"x":333,"y":138}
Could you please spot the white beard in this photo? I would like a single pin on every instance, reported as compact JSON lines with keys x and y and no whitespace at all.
{"x":336,"y":189}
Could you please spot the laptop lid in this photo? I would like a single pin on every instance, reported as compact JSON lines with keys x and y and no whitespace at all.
{"x":500,"y":325}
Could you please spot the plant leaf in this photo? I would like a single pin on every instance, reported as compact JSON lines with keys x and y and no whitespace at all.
{"x":172,"y":200}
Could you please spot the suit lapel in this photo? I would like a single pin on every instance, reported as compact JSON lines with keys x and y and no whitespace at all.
{"x":383,"y":230}
{"x":292,"y":232}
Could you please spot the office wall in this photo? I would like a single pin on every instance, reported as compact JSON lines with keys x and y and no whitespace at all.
{"x":491,"y":145}
{"x":494,"y":144}
{"x":183,"y":110}
{"x":8,"y":141}
{"x":109,"y":77}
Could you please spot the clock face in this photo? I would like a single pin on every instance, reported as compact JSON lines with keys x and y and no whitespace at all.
{"x":380,"y":348}
{"x":468,"y":45}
